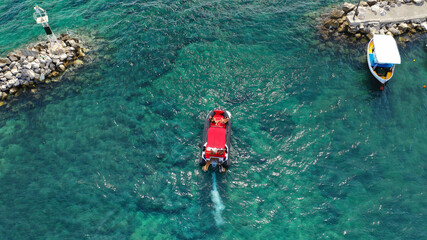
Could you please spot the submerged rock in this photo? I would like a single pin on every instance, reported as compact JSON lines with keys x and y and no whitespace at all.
{"x":78,"y":62}
{"x":13,"y":90}
{"x":403,"y":39}
{"x":3,"y":96}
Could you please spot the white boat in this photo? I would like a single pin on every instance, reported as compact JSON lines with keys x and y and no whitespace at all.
{"x":383,"y":55}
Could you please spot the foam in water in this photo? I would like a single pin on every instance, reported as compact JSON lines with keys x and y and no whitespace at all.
{"x":216,"y":199}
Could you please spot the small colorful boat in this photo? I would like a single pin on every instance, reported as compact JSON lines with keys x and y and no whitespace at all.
{"x":216,"y":141}
{"x":383,"y":55}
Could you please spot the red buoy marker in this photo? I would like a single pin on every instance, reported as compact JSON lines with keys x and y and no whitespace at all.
{"x":424,"y":86}
{"x":382,"y":88}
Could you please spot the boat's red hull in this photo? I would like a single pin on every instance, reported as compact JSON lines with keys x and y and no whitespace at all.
{"x":216,"y":141}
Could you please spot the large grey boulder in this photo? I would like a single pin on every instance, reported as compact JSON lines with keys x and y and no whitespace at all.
{"x":14,"y":71}
{"x":3,"y":95}
{"x":24,"y":73}
{"x":63,"y":57}
{"x":47,"y":72}
{"x":13,"y":57}
{"x":62,"y":67}
{"x":13,"y":64}
{"x":403,"y":27}
{"x":14,"y":82}
{"x":72,"y":43}
{"x":394,"y":31}
{"x":8,"y":75}
{"x":35,"y":65}
{"x":337,"y":14}
{"x":55,"y":60}
{"x":347,"y":7}
{"x":13,"y":90}
{"x":27,"y":66}
{"x":371,"y":2}
{"x":31,"y":74}
{"x":4,"y":62}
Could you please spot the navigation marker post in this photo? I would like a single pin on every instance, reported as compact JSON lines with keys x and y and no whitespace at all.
{"x":357,"y":11}
{"x":41,"y":17}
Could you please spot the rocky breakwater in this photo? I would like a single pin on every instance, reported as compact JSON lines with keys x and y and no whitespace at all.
{"x":402,"y":18}
{"x":39,"y":63}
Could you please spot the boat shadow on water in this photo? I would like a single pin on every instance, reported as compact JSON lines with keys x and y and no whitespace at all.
{"x":381,"y":102}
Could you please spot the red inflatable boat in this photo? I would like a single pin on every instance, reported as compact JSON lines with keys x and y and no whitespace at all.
{"x":216,"y":141}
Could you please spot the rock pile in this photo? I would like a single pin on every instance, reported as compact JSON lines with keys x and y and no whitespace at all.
{"x":39,"y":63}
{"x":339,"y":24}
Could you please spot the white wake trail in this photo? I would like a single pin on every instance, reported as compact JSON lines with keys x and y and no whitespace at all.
{"x":216,"y":199}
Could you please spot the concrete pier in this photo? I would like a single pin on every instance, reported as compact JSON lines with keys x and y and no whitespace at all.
{"x":396,"y":14}
{"x":403,"y":18}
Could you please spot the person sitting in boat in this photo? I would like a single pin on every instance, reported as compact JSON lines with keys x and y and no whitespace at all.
{"x":216,"y":152}
{"x":220,"y":152}
{"x":215,"y":121}
{"x":382,"y":71}
{"x":212,"y":151}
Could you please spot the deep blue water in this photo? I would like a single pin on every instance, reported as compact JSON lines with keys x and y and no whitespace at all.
{"x":110,"y":151}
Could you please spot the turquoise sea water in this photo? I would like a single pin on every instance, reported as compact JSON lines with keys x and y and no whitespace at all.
{"x":111,"y":151}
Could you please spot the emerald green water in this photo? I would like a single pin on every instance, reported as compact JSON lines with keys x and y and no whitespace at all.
{"x":111,"y":151}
